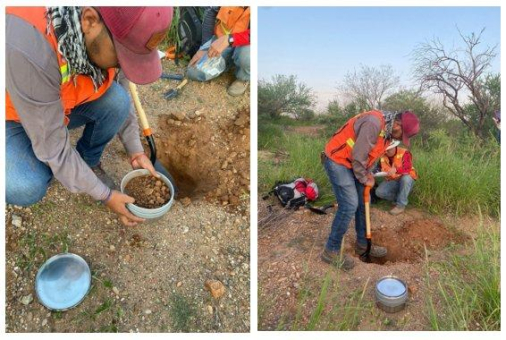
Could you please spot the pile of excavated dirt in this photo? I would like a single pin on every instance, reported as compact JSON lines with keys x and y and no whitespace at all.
{"x":407,"y":243}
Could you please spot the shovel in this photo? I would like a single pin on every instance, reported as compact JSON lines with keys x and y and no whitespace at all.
{"x":366,"y":256}
{"x":172,"y":76}
{"x":173,"y":93}
{"x":321,"y":210}
{"x":149,"y":136}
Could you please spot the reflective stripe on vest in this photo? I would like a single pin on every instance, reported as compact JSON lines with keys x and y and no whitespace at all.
{"x":350,"y":142}
{"x":65,"y":75}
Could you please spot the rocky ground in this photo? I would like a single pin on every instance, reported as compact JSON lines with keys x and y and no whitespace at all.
{"x":186,"y":272}
{"x":292,"y":278}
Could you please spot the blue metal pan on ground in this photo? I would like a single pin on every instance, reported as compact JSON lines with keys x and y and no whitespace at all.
{"x":63,"y":281}
{"x":391,"y":294}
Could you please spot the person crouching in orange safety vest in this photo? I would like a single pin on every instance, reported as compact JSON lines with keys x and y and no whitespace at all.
{"x":61,"y":64}
{"x":401,"y":175}
{"x":225,"y":34}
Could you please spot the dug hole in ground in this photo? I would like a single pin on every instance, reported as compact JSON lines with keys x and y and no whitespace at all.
{"x":158,"y":276}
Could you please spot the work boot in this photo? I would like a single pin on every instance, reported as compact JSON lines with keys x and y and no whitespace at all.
{"x":237,"y":88}
{"x":376,"y":251}
{"x":396,"y":210}
{"x":104,"y":177}
{"x":334,"y":258}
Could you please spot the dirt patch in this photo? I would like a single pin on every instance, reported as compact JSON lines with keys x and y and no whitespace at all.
{"x":407,"y":243}
{"x":207,"y":158}
{"x":148,"y":192}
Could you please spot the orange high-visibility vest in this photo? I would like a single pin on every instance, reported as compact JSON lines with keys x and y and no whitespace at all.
{"x":74,"y":89}
{"x":340,"y":146}
{"x":397,"y":163}
{"x":232,"y":20}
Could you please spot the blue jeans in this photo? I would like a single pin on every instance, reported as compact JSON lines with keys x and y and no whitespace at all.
{"x":350,"y":203}
{"x":238,"y":56}
{"x":27,"y":178}
{"x":396,"y":191}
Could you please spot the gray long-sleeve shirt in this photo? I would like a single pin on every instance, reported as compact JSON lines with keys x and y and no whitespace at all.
{"x":33,"y":82}
{"x":367,"y":130}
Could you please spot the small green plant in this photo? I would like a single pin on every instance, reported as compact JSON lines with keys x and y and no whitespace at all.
{"x":182,"y":313}
{"x":103,"y":307}
{"x":28,"y":258}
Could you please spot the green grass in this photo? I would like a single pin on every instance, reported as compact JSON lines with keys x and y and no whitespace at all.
{"x":456,"y":176}
{"x":467,"y":289}
{"x":182,"y":313}
{"x":303,"y":160}
{"x":334,"y":309}
{"x":37,"y":247}
{"x":455,"y":173}
{"x":105,"y":306}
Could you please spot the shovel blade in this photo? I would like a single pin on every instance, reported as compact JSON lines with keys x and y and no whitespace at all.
{"x":366,"y":256}
{"x":161,"y":169}
{"x":171,"y":94}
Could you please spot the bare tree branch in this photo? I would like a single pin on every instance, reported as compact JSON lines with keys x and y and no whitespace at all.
{"x":456,"y":72}
{"x":370,"y":85}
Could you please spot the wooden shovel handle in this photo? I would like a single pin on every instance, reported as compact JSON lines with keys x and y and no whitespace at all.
{"x":140,"y":111}
{"x":183,"y":83}
{"x":367,"y":199}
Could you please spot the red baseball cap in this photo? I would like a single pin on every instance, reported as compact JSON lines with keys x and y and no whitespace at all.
{"x":410,"y":126}
{"x":137,"y":32}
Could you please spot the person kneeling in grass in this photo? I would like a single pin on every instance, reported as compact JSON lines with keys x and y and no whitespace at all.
{"x":401,"y":175}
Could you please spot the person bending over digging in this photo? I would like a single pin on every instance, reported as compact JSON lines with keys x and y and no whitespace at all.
{"x":348,"y":159}
{"x":60,"y":68}
{"x":401,"y":175}
{"x":226,"y":33}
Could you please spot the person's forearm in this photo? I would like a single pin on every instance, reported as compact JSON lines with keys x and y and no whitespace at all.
{"x":366,"y":130}
{"x":129,"y":132}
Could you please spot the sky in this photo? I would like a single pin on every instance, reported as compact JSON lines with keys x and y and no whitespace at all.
{"x":321,"y":44}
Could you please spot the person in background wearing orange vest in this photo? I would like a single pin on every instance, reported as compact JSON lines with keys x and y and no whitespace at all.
{"x":349,"y":158}
{"x":226,"y":33}
{"x":60,"y":68}
{"x":401,"y":175}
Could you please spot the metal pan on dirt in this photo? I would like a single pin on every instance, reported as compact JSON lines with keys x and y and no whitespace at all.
{"x":391,"y":294}
{"x":145,"y":212}
{"x":63,"y":281}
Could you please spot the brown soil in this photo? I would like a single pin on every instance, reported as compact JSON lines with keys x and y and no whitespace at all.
{"x":289,"y":264}
{"x":150,"y":278}
{"x":207,"y":157}
{"x":407,"y":243}
{"x":148,"y":191}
